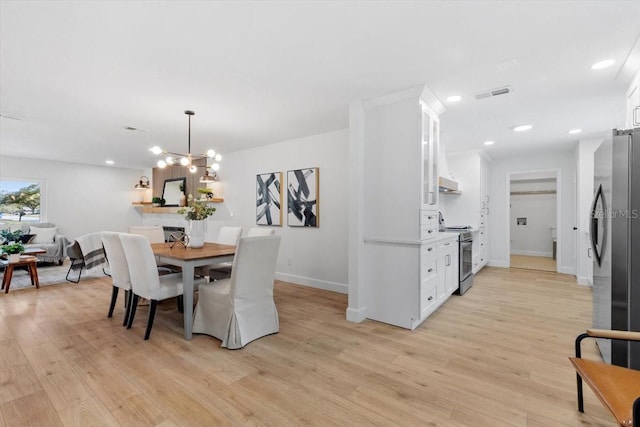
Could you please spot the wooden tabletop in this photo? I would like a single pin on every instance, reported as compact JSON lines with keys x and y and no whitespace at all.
{"x":209,"y":250}
{"x":24,"y":259}
{"x":33,"y":251}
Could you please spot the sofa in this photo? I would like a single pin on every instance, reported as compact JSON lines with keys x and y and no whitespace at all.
{"x":45,"y":236}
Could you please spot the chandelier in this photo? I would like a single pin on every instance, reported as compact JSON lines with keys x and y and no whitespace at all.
{"x":189,"y":159}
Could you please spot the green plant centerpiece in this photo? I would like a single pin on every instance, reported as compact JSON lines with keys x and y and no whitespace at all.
{"x":13,"y":248}
{"x":197,"y":211}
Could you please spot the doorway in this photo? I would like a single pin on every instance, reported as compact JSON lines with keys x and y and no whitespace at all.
{"x":533,"y":218}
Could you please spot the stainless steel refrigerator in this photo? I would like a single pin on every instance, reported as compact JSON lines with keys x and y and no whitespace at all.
{"x":615,"y":240}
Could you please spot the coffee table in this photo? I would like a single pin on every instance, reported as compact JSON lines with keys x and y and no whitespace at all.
{"x":28,"y":261}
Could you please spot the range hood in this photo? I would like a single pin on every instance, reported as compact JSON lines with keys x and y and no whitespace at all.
{"x":446,"y":185}
{"x":446,"y":182}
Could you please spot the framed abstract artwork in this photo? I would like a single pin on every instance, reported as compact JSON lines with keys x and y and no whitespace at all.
{"x":303,"y":197}
{"x":269,"y":199}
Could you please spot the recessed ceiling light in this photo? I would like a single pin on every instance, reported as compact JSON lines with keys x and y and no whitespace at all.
{"x":522,"y":128}
{"x":454,"y":98}
{"x":602,"y":64}
{"x":109,"y":162}
{"x":575,"y":131}
{"x":488,"y":143}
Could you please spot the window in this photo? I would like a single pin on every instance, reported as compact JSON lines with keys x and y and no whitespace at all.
{"x":20,"y":200}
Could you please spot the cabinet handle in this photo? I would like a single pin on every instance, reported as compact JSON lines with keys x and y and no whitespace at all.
{"x":487,"y":198}
{"x":588,"y":252}
{"x":430,"y":298}
{"x":481,"y":244}
{"x":447,"y":244}
{"x":429,"y":217}
{"x":448,"y":262}
{"x":487,"y":211}
{"x":430,"y":270}
{"x":430,"y":231}
{"x":429,"y":249}
{"x":636,"y":116}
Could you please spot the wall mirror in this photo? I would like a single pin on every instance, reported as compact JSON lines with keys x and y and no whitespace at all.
{"x":173,"y":191}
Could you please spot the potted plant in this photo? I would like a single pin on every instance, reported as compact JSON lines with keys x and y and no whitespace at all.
{"x":206,"y":193}
{"x":8,"y":236}
{"x":157,"y":201}
{"x":197,"y":212}
{"x":13,"y":250}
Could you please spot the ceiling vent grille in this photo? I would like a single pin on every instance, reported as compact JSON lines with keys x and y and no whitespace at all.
{"x":493,"y":92}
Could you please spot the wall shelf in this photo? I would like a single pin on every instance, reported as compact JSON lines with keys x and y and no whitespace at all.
{"x":145,"y":207}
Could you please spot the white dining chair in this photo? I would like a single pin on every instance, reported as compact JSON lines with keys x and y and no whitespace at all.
{"x":145,"y":280}
{"x":119,"y":270}
{"x":260,"y":231}
{"x":226,"y":236}
{"x":154,"y":233}
{"x":241,"y":309}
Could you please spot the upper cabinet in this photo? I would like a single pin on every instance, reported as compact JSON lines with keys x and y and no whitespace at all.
{"x":633,"y":103}
{"x":430,"y":144}
{"x":400,"y":148}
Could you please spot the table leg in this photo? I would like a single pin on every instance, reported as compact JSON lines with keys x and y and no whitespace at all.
{"x":6,"y":280}
{"x":187,"y":285}
{"x":33,"y":272}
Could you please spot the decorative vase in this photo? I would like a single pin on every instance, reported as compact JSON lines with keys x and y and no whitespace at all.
{"x":196,"y":233}
{"x":14,"y":257}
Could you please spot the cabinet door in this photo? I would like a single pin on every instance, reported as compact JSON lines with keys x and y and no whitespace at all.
{"x":430,"y":142}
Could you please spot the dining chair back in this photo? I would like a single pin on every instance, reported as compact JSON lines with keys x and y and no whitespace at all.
{"x":145,"y":280}
{"x":154,"y":233}
{"x":229,"y":235}
{"x":119,"y":270}
{"x":260,"y":231}
{"x":241,"y":309}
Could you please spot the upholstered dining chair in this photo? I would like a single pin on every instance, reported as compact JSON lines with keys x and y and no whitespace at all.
{"x":260,"y":231}
{"x":226,"y":236}
{"x":119,"y":271}
{"x":155,"y":233}
{"x":241,"y":309}
{"x":145,"y":280}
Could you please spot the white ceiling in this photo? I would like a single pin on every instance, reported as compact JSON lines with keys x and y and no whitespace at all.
{"x":76,"y":73}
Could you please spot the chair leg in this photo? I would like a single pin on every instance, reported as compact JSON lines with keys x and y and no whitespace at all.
{"x":128,"y":297}
{"x":580,"y":398}
{"x":152,"y":314}
{"x":73,"y":266}
{"x":132,"y":314}
{"x":114,"y":298}
{"x":180,"y":302}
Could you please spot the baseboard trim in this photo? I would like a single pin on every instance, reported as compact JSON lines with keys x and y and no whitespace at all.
{"x":584,"y":281}
{"x":568,"y":270}
{"x":313,"y":283}
{"x":501,"y":264}
{"x":356,"y":315}
{"x":532,"y":253}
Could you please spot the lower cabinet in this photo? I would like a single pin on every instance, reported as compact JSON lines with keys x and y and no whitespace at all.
{"x":405,"y":283}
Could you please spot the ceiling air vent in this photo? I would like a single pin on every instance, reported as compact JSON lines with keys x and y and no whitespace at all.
{"x":493,"y":92}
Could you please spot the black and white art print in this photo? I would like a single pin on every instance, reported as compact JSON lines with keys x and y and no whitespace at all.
{"x":302,"y":197}
{"x":269,"y":199}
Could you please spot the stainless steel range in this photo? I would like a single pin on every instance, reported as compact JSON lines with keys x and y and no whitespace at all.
{"x":465,"y":242}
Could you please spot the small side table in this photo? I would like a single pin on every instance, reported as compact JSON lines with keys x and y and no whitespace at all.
{"x":30,"y":262}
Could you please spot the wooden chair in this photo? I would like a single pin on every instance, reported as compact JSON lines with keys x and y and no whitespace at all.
{"x":618,"y":388}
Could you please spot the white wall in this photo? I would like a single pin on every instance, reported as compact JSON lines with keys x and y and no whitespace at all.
{"x":314,"y":257}
{"x":499,"y":204}
{"x":534,"y":238}
{"x":584,"y":161}
{"x":80,"y":198}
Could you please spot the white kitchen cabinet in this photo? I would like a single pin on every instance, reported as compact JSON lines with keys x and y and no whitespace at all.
{"x":401,"y":266}
{"x":633,"y":103}
{"x":447,"y":264}
{"x":472,"y":206}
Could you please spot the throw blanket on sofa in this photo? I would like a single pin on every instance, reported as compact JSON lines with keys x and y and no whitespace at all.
{"x":92,"y":250}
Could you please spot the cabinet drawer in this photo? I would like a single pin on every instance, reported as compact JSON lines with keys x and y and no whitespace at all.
{"x":428,"y":252}
{"x":428,"y":269}
{"x":427,"y":295}
{"x":428,"y":218}
{"x":428,"y":232}
{"x":446,"y":245}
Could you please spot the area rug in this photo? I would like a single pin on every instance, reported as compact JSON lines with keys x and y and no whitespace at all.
{"x":49,"y":275}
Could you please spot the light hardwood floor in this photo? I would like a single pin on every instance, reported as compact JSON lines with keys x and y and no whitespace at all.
{"x":496,"y":356}
{"x":533,"y":262}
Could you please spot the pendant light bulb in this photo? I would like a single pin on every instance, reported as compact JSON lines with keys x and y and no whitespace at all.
{"x":211,"y":153}
{"x":218,"y":157}
{"x":184,"y":161}
{"x":215,"y":167}
{"x":162,"y":164}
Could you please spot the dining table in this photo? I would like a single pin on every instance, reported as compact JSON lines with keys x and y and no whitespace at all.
{"x":188,"y":259}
